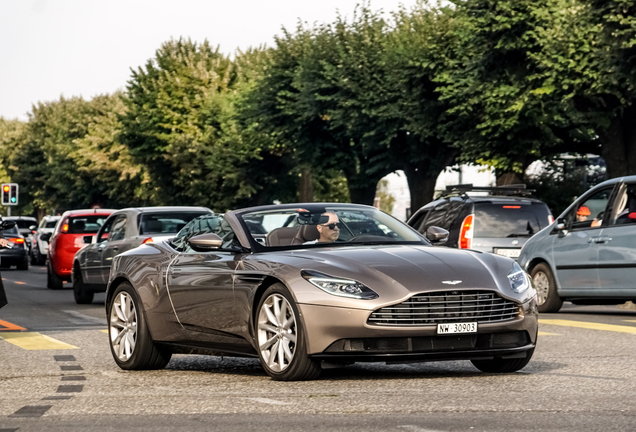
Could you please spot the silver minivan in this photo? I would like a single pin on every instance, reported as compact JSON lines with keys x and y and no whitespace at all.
{"x":588,"y":255}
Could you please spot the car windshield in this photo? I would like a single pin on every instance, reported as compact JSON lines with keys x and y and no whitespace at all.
{"x":166,"y":222}
{"x":50,"y":224}
{"x":330,"y":225}
{"x":85,"y":224}
{"x":510,"y":220}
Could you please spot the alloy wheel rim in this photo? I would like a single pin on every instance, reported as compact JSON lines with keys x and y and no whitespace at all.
{"x":277,"y":333}
{"x":542,"y":285}
{"x":123,"y":326}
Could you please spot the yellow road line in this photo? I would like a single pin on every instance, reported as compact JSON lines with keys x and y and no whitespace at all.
{"x":5,"y":325}
{"x":548,"y":334}
{"x":104,"y":331}
{"x":629,"y":320}
{"x":20,"y":283}
{"x":34,"y":341}
{"x":589,"y":325}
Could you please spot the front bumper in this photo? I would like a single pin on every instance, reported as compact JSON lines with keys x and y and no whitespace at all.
{"x":344,"y":334}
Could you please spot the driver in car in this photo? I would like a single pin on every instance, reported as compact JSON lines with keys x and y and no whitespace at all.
{"x":329,"y":231}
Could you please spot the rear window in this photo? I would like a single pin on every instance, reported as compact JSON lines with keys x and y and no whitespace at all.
{"x":11,"y":231}
{"x":166,"y":222}
{"x":24,"y":224}
{"x":85,"y":224}
{"x":510,"y":220}
{"x":50,"y":224}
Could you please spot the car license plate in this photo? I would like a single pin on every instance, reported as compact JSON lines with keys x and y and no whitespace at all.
{"x":510,"y":253}
{"x":452,"y":328}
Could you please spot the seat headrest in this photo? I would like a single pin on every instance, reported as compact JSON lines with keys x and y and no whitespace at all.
{"x":281,"y":236}
{"x":306,"y":233}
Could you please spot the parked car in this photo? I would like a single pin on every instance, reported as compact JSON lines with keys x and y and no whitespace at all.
{"x":124,"y":230}
{"x":588,"y":255}
{"x":500,"y":220}
{"x":16,"y":255}
{"x":26,"y":227}
{"x":39,"y":246}
{"x":67,"y":239}
{"x":4,"y":225}
{"x":379,"y":292}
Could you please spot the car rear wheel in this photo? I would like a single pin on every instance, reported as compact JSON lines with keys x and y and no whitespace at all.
{"x":499,"y":365}
{"x":130,"y":341}
{"x":547,"y":298}
{"x":282,"y":346}
{"x":24,"y":265}
{"x":53,"y":281}
{"x":82,"y":295}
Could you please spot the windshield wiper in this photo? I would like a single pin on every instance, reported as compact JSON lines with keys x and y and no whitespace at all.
{"x":519,"y":235}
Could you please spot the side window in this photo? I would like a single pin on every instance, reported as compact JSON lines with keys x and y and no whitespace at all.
{"x":103,"y":233}
{"x":625,"y":206}
{"x":442,"y":216}
{"x":590,"y":213}
{"x":418,"y":222}
{"x":205,"y":224}
{"x":118,"y":231}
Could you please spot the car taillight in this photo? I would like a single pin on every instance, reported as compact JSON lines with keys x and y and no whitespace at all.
{"x":65,"y":228}
{"x":18,"y":240}
{"x":466,"y":233}
{"x":148,"y":240}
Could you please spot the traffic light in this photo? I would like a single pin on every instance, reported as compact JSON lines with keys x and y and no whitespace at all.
{"x":10,"y":194}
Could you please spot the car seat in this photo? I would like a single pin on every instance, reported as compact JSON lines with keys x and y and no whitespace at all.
{"x":305,"y":234}
{"x":281,"y":236}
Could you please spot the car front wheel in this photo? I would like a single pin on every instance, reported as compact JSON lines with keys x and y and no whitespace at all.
{"x":545,"y":284}
{"x":499,"y":365}
{"x":130,"y":341}
{"x":281,"y":341}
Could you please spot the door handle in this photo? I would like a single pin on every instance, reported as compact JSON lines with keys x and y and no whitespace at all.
{"x":600,"y":240}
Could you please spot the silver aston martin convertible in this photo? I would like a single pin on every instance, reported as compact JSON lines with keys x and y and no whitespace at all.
{"x":301,"y":285}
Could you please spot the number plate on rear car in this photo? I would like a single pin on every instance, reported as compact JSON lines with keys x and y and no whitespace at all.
{"x":510,"y":253}
{"x":452,"y":328}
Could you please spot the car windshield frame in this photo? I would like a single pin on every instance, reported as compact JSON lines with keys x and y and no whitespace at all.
{"x":246,"y":219}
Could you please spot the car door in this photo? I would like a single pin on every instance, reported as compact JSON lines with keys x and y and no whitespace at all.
{"x":617,"y":247}
{"x":576,"y":249}
{"x":112,"y":246}
{"x":201,"y":283}
{"x":93,"y":266}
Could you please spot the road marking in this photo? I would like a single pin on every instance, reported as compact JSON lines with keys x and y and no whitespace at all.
{"x":541,"y":333}
{"x":32,"y":341}
{"x":270,"y":401}
{"x":84,"y":319}
{"x":19,"y":283}
{"x":5,"y":325}
{"x":629,"y":320}
{"x":417,"y":428}
{"x":104,"y":331}
{"x":589,"y":325}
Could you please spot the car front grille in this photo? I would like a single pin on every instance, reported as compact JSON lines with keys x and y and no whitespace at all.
{"x":447,"y":306}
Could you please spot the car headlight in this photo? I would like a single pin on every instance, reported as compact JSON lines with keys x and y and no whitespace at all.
{"x":518,"y":279}
{"x":339,"y":287}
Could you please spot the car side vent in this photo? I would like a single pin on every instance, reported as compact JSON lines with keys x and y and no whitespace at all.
{"x":447,"y":306}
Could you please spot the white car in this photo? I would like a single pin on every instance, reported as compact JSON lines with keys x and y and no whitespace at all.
{"x":39,"y":247}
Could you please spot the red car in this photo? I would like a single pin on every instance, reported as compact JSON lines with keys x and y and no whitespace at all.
{"x":67,"y":239}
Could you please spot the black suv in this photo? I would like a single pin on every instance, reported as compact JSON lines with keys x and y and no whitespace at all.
{"x":489,"y":219}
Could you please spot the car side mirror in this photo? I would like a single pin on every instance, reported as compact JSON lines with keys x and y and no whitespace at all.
{"x":436,"y":235}
{"x":561,"y":227}
{"x":87,"y":239}
{"x":45,"y":237}
{"x":33,"y":227}
{"x":209,"y":241}
{"x":7,"y":225}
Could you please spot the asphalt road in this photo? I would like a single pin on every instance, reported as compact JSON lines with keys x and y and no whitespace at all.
{"x":582,"y":377}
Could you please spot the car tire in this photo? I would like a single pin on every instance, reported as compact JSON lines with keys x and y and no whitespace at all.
{"x":286,"y":340}
{"x":24,"y":265}
{"x":130,"y":342}
{"x":53,"y":281}
{"x":499,"y":365}
{"x":548,"y":299}
{"x":41,"y":258}
{"x":82,"y":295}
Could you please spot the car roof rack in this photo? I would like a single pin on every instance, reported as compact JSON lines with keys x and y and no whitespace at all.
{"x":507,"y":190}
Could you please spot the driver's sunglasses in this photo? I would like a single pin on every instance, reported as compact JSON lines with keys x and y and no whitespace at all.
{"x":333,"y":225}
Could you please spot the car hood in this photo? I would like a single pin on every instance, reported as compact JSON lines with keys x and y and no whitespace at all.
{"x":398,"y":271}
